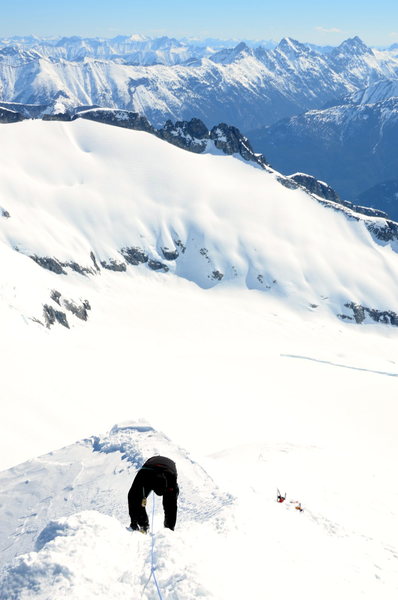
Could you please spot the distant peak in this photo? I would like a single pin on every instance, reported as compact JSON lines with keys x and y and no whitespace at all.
{"x":241,"y":47}
{"x":354,"y":45}
{"x":290,"y":45}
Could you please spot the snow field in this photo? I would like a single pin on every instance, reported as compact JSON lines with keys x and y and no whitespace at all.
{"x":303,"y":401}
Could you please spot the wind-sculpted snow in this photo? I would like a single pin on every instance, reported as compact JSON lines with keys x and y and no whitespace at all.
{"x":91,"y":556}
{"x":97,"y":473}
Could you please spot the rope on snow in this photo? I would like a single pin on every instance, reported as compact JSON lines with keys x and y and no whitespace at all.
{"x":153,"y":566}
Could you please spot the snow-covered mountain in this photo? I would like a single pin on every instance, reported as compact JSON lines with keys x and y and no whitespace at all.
{"x":245,"y":86}
{"x":351,"y":146}
{"x":383,"y":195}
{"x":248,"y":315}
{"x":176,"y":237}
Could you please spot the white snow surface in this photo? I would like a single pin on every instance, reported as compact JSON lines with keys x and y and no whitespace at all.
{"x":223,"y":546}
{"x":256,"y":377}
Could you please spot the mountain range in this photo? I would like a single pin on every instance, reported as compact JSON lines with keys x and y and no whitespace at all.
{"x":247,"y":87}
{"x":352,"y":145}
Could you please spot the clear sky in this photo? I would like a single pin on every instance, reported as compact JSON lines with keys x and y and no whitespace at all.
{"x":376,"y":22}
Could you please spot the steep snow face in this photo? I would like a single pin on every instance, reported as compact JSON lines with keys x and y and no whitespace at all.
{"x":247,"y":87}
{"x":86,"y":197}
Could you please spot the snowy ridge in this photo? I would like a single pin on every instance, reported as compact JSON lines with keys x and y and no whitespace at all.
{"x":103,"y":215}
{"x":89,"y":553}
{"x":97,"y":473}
{"x":71,"y":507}
{"x":248,"y":87}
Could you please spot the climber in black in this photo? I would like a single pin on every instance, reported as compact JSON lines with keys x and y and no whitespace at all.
{"x":158,"y":474}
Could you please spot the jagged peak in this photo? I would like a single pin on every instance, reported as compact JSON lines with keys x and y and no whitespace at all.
{"x":354,"y":46}
{"x":228,"y":55}
{"x":241,"y":47}
{"x":288,"y":45}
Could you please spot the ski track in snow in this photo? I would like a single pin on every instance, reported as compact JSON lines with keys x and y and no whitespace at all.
{"x":332,"y":364}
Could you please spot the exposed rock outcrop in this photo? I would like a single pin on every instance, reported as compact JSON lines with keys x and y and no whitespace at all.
{"x":10,"y":116}
{"x":56,"y":266}
{"x":313,"y":185}
{"x":134,"y":255}
{"x":119,"y":118}
{"x":114,"y":265}
{"x":191,"y":135}
{"x":360,"y":313}
{"x":51,"y":316}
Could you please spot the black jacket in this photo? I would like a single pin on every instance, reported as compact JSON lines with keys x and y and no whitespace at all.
{"x":159,"y":475}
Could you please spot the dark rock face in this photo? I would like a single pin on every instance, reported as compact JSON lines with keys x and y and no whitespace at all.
{"x":385,"y":232}
{"x":27,"y":111}
{"x":193,"y":135}
{"x":120,"y":118}
{"x":92,"y":256}
{"x":217,"y":275}
{"x":156,"y":265}
{"x":190,"y":135}
{"x":315,"y":186}
{"x":134,"y":255}
{"x":114,"y":265}
{"x":360,"y":313}
{"x":79,"y":268}
{"x":4,"y":213}
{"x":10,"y":116}
{"x":80,"y":311}
{"x":52,"y":316}
{"x":231,"y":141}
{"x":51,"y":264}
{"x":323,"y":190}
{"x":170,"y":254}
{"x":58,"y":117}
{"x":56,"y":296}
{"x":54,"y":265}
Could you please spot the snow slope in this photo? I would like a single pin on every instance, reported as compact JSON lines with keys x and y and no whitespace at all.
{"x":86,"y":194}
{"x":256,"y":377}
{"x":72,"y":506}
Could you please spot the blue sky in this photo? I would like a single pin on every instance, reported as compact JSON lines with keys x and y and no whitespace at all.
{"x":324,"y":23}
